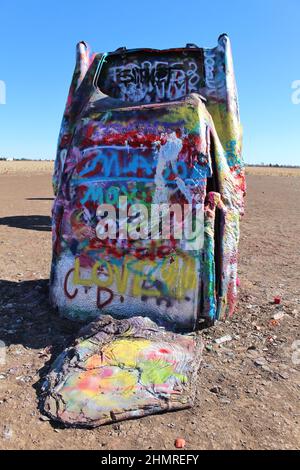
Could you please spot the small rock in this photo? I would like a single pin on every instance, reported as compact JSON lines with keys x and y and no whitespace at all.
{"x":256,"y":327}
{"x":24,"y":378}
{"x":225,"y":401}
{"x":229,"y":353}
{"x":215,"y":389}
{"x":44,"y":418}
{"x":278,"y":315}
{"x":260,"y":361}
{"x":7,"y":432}
{"x":223,"y":339}
{"x":271,"y":359}
{"x":266,"y":369}
{"x":284,"y":375}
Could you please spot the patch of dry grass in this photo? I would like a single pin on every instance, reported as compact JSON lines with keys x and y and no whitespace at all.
{"x":272,"y":171}
{"x":25,"y":167}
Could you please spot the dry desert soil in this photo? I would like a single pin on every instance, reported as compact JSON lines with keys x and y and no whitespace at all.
{"x":248,"y":388}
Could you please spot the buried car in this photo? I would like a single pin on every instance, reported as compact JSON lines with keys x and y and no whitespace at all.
{"x":144,"y":132}
{"x":151,"y":127}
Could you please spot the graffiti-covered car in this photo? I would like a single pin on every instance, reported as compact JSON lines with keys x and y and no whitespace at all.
{"x":149,"y":188}
{"x":148,"y":127}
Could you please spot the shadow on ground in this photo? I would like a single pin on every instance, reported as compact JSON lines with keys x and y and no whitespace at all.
{"x":27,"y":318}
{"x":41,"y":223}
{"x":40,"y":199}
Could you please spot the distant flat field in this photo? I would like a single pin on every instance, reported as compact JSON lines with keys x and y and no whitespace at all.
{"x":271,"y":171}
{"x":27,"y":167}
{"x":13,"y":167}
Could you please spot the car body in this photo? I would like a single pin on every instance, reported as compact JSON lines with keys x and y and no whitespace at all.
{"x":129,"y":113}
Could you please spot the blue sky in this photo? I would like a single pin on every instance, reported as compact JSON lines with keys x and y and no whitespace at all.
{"x":37,"y":52}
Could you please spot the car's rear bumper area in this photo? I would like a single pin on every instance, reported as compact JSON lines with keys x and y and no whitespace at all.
{"x":151,"y":155}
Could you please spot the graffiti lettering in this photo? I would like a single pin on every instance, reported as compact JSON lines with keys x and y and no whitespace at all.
{"x":95,"y":193}
{"x":117,"y":248}
{"x":209,"y":63}
{"x":101,"y":303}
{"x":158,"y":80}
{"x":68,"y":294}
{"x":137,"y":278}
{"x":116,"y":164}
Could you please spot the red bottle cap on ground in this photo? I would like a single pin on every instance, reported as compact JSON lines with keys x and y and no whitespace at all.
{"x":179,"y":443}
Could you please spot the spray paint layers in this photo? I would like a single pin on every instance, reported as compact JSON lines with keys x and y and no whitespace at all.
{"x":143,"y":128}
{"x":154,"y":127}
{"x":121,"y":369}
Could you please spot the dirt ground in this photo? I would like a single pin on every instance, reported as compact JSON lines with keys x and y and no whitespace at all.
{"x":248,"y":388}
